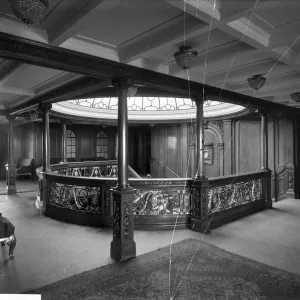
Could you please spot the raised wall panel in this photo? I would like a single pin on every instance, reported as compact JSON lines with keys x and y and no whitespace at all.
{"x":249,"y":146}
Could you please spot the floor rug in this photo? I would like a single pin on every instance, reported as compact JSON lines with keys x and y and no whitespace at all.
{"x":23,"y":186}
{"x":198,"y":271}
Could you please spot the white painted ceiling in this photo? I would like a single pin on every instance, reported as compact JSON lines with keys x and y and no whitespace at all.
{"x":146,"y":33}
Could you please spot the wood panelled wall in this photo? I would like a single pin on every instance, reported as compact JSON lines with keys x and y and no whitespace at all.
{"x":236,"y":150}
{"x":28,"y":143}
{"x":170,"y":148}
{"x":169,"y":151}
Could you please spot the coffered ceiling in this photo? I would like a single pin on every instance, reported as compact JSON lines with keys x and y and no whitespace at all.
{"x":235,"y":40}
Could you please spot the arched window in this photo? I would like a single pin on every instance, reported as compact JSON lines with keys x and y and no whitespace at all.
{"x":71,"y":144}
{"x":102,"y":145}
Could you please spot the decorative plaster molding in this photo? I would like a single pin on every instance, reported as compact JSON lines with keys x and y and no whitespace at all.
{"x":92,"y":49}
{"x":251,"y":30}
{"x":19,"y":29}
{"x":207,"y":7}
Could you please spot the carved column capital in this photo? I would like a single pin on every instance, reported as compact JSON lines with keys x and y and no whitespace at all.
{"x":45,"y":107}
{"x":122,"y":84}
{"x":263,"y":112}
{"x":10,"y":118}
{"x":199,"y":100}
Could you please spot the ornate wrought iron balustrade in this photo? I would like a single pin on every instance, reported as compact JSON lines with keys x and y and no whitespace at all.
{"x":161,"y":197}
{"x":228,"y":192}
{"x":80,"y":194}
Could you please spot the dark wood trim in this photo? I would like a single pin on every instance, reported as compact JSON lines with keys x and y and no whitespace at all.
{"x":49,"y":56}
{"x":65,"y":92}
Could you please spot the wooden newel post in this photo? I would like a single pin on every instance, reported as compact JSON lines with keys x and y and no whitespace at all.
{"x":123,"y":245}
{"x":199,"y":184}
{"x":266,"y":183}
{"x":45,"y":108}
{"x":10,"y":166}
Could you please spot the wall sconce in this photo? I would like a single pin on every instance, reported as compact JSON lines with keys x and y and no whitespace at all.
{"x":256,"y":81}
{"x":185,"y":57}
{"x":295,"y":97}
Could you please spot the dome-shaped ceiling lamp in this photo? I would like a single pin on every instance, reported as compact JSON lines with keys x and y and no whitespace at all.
{"x":185,"y":57}
{"x":256,"y":81}
{"x":132,"y":90}
{"x":295,"y":96}
{"x":29,"y":11}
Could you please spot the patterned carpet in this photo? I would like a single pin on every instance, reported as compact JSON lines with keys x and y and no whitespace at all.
{"x":23,"y":185}
{"x":212,"y":274}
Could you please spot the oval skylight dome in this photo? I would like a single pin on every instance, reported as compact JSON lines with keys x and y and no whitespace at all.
{"x":144,"y":108}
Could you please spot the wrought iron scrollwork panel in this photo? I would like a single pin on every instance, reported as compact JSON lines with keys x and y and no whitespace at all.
{"x":166,"y":201}
{"x":75,"y":197}
{"x":227,"y":196}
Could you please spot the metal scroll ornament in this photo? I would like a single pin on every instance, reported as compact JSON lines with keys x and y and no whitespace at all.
{"x":165,"y":201}
{"x":227,"y":196}
{"x":117,"y":220}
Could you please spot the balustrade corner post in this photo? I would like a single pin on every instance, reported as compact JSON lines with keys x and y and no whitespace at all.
{"x":123,"y":246}
{"x":266,"y":189}
{"x":10,"y":166}
{"x":44,"y":193}
{"x":200,"y":221}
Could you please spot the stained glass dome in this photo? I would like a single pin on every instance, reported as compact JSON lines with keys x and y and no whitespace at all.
{"x":144,"y":108}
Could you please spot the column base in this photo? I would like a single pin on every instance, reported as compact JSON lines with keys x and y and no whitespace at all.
{"x":202,"y":226}
{"x":120,"y":251}
{"x":123,"y":245}
{"x":268,"y":204}
{"x":11,"y":188}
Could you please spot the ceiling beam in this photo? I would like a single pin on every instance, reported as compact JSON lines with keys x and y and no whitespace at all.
{"x":234,"y":25}
{"x":7,"y":67}
{"x":6,"y":89}
{"x":77,"y":18}
{"x":53,"y":57}
{"x":65,"y":92}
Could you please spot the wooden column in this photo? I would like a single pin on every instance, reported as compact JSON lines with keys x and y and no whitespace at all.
{"x":46,"y":136}
{"x":123,"y":246}
{"x":64,"y":141}
{"x":266,"y":183}
{"x":45,"y":108}
{"x":199,"y":137}
{"x":10,"y":166}
{"x":199,"y":185}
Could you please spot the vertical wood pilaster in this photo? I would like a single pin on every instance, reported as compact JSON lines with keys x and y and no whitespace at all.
{"x":64,"y":141}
